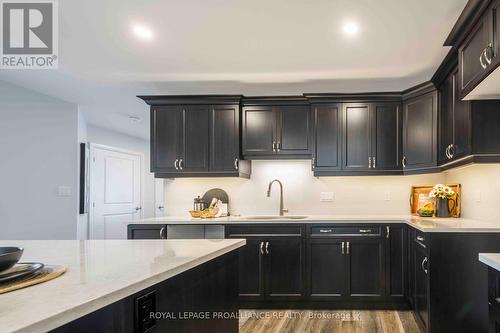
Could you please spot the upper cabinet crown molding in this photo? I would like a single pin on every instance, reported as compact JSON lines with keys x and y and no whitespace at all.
{"x":273,"y":100}
{"x":467,"y":19}
{"x":418,"y":90}
{"x":393,"y":96}
{"x":191,"y":99}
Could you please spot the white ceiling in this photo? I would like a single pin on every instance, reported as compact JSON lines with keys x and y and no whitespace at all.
{"x":253,"y":47}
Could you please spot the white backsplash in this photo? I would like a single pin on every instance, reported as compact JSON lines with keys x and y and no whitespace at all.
{"x":352,"y":195}
{"x":480,"y":190}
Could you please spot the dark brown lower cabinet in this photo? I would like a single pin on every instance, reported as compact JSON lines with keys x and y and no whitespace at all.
{"x":494,"y":300}
{"x":421,"y":288}
{"x":365,"y":268}
{"x":210,"y":287}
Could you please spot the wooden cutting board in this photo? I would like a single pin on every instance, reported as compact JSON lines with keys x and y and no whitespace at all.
{"x":47,"y":273}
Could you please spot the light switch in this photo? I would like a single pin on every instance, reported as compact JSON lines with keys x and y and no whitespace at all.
{"x":64,"y":191}
{"x":326,"y":197}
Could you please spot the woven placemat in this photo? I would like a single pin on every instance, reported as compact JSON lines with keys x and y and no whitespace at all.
{"x":47,"y":273}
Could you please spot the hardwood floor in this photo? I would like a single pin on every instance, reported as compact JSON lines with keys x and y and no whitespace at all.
{"x":341,"y":321}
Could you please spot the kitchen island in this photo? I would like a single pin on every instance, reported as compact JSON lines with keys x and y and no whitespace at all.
{"x":114,"y":285}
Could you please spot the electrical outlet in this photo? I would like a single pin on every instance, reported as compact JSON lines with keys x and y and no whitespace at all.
{"x":478,"y":195}
{"x":387,"y":196}
{"x":64,"y":191}
{"x":326,"y":197}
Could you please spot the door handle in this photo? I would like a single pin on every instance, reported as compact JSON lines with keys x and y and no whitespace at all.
{"x":488,"y":48}
{"x":323,"y":231}
{"x":423,"y":264}
{"x":481,"y":59}
{"x":162,"y":233}
{"x":451,"y":150}
{"x":347,"y":247}
{"x":342,"y":247}
{"x":267,"y":247}
{"x":447,"y":152}
{"x":420,"y":238}
{"x":262,"y":248}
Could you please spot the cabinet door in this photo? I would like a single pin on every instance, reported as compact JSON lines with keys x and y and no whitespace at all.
{"x":259,"y":130}
{"x":294,"y":130}
{"x":327,"y":136}
{"x":420,"y":132}
{"x":461,"y":145}
{"x":285,"y":268}
{"x":326,"y":269}
{"x":386,"y":136}
{"x":421,"y":299}
{"x":445,"y":119}
{"x":194,"y":153}
{"x":165,"y":138}
{"x":224,"y":137}
{"x":251,"y":274}
{"x":356,"y":137}
{"x":365,"y":267}
{"x":471,"y":60}
{"x":397,"y":260}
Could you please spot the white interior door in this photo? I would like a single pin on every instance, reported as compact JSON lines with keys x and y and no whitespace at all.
{"x":116,"y":192}
{"x":159,"y":197}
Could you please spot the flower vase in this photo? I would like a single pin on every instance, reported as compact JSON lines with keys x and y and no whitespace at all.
{"x":442,"y":207}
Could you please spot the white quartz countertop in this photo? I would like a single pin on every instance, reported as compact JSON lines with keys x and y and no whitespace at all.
{"x":99,"y":272}
{"x":490,"y":259}
{"x":420,"y":223}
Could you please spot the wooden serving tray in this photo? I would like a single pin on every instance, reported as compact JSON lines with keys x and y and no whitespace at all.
{"x":49,"y":272}
{"x":425,"y":189}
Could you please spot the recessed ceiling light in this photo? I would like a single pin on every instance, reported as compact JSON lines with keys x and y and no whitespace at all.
{"x":350,"y":28}
{"x":142,"y":32}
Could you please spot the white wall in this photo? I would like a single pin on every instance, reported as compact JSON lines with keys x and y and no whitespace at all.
{"x":353,"y":195}
{"x":38,"y":145}
{"x":118,"y":140}
{"x":480,"y":190}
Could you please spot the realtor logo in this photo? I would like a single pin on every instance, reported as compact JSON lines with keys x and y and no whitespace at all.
{"x":29,"y":34}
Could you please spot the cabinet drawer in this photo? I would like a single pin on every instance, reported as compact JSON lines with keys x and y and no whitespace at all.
{"x":345,"y":231}
{"x":264,"y":231}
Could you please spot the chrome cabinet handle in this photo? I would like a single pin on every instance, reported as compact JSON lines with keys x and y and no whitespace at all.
{"x":267,"y":247}
{"x":180,"y":164}
{"x":325,"y":230}
{"x":236,"y":163}
{"x":162,"y":233}
{"x":347,"y":247}
{"x":387,"y":232}
{"x":451,"y":151}
{"x":420,"y":238}
{"x":261,"y":247}
{"x":313,"y":163}
{"x":278,"y":146}
{"x":364,"y":231}
{"x":403,"y":161}
{"x":175,"y":164}
{"x":369,"y":162}
{"x":488,"y":48}
{"x":481,"y":59}
{"x":274,"y":146}
{"x":343,"y":248}
{"x":447,"y":152}
{"x":423,"y":264}
{"x":373,"y":162}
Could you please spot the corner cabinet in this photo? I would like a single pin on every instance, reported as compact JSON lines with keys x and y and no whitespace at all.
{"x":280,"y":131}
{"x":420,"y":130}
{"x":192,"y":138}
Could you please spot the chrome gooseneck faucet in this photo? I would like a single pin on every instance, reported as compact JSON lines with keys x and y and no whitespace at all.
{"x":282,"y":210}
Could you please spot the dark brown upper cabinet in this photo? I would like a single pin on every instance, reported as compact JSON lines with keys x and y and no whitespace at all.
{"x":371,"y":136}
{"x":420,"y":129}
{"x":454,"y":122}
{"x":478,"y":51}
{"x":327,"y":149}
{"x":191,"y":136}
{"x":276,"y":131}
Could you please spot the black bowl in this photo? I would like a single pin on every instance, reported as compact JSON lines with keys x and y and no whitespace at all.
{"x":9,"y":256}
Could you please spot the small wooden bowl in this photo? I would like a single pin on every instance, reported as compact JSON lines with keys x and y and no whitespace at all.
{"x":195,"y":214}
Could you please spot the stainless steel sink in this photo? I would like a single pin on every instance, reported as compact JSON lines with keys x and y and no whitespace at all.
{"x":274,"y":217}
